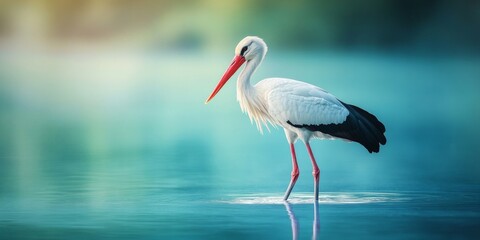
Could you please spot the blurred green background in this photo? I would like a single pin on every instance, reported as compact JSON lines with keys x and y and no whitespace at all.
{"x":104,"y":100}
{"x":430,"y":26}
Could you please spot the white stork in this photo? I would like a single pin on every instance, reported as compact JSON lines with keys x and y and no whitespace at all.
{"x":303,"y":110}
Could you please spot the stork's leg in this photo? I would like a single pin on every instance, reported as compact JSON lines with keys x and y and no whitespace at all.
{"x":294,"y":174}
{"x":316,"y":171}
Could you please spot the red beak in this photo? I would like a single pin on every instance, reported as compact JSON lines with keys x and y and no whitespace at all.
{"x":236,"y":63}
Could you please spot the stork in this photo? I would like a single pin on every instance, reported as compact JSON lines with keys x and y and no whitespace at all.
{"x":303,"y":110}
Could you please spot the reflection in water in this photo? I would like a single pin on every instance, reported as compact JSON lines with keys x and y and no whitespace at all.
{"x":294,"y":221}
{"x":324,"y":198}
{"x":316,"y":220}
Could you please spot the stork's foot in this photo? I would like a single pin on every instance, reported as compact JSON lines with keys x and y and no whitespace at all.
{"x":293,"y":180}
{"x":316,"y":178}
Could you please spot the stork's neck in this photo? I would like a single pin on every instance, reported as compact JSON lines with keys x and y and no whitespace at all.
{"x":243,"y":82}
{"x":249,"y":97}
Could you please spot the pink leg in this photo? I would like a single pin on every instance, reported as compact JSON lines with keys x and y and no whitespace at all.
{"x":316,"y":171}
{"x":295,"y":173}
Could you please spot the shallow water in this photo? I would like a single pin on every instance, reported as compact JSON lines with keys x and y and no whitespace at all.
{"x":324,"y":198}
{"x":122,"y":147}
{"x":159,"y":214}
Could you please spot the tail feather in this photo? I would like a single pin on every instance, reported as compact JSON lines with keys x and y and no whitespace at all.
{"x":369,"y":131}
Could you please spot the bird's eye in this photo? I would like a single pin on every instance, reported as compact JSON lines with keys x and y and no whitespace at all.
{"x":244,"y":49}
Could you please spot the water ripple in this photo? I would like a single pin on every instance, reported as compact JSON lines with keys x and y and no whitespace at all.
{"x":323,"y":198}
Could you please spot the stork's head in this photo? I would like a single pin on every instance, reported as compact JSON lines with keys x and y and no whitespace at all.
{"x":250,"y":48}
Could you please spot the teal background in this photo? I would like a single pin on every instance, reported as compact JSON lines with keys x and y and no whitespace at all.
{"x":104,"y":132}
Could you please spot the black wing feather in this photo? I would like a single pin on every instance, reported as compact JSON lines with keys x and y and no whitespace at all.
{"x":360,"y":126}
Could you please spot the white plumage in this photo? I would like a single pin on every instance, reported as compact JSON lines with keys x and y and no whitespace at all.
{"x":300,"y":103}
{"x":302,"y":109}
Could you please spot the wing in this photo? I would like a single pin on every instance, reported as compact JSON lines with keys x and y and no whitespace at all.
{"x":303,"y":104}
